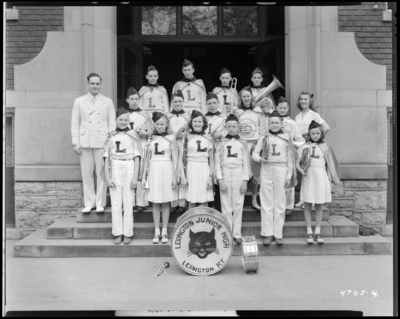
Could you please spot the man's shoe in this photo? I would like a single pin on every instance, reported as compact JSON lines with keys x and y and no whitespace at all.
{"x":318,"y":239}
{"x":156,"y":239}
{"x":118,"y":240}
{"x":268,"y":240}
{"x":127,"y":240}
{"x":140,"y":209}
{"x":288,"y":212}
{"x":238,"y":241}
{"x":99,"y":209}
{"x":310,"y":238}
{"x":86,"y":210}
{"x":279,"y":241}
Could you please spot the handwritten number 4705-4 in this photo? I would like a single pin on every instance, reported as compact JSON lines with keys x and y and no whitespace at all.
{"x":356,"y":293}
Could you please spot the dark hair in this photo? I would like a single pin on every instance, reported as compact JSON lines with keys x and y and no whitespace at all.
{"x":91,"y":75}
{"x":311,"y":96}
{"x":167,"y":119}
{"x":205,"y":123}
{"x":307,"y":136}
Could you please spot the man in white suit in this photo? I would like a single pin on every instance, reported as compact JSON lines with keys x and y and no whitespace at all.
{"x":93,"y":118}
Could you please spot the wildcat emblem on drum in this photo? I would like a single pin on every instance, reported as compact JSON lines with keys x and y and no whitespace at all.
{"x":202,"y":242}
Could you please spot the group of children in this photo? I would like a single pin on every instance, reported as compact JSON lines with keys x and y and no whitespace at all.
{"x":178,"y":155}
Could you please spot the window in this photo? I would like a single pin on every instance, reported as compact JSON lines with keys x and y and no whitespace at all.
{"x":127,"y":71}
{"x":210,"y":21}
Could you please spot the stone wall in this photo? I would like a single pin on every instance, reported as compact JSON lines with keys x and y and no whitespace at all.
{"x":39,"y":204}
{"x":27,"y":35}
{"x":373,"y":35}
{"x":362,"y":201}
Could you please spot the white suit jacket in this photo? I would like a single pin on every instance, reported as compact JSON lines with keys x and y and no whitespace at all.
{"x":90,"y":123}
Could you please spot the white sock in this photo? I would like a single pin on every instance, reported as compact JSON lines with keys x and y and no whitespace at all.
{"x":309,"y":230}
{"x":318,"y":230}
{"x":254,"y":199}
{"x":157,"y":231}
{"x":164,"y":231}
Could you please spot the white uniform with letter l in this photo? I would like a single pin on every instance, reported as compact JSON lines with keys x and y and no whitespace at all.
{"x":123,"y":149}
{"x":90,"y":126}
{"x":226,"y":95}
{"x":153,"y":98}
{"x":272,"y":179}
{"x":231,"y":165}
{"x":139,"y":122}
{"x":194,"y":95}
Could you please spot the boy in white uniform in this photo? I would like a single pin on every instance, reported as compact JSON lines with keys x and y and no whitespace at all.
{"x":178,"y":120}
{"x":228,"y":97}
{"x":153,"y":97}
{"x":233,"y":171}
{"x":122,"y":153}
{"x":289,"y":126}
{"x":193,"y":90}
{"x":140,"y":122}
{"x":276,"y":173}
{"x":216,"y":129}
{"x":257,"y":87}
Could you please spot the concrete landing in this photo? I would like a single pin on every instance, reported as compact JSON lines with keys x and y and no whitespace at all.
{"x":37,"y":245}
{"x":282,"y":283}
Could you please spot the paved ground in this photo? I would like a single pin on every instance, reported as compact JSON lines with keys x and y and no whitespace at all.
{"x":283,"y":283}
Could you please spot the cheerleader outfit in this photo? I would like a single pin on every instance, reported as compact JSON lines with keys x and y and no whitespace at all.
{"x":199,"y":148}
{"x":164,"y":152}
{"x":315,"y":187}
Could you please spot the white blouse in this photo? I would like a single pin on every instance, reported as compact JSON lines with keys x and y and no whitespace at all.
{"x":304,"y":123}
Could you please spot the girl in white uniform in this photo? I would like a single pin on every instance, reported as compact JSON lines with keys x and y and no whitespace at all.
{"x":306,"y":105}
{"x":254,"y":123}
{"x":197,"y":157}
{"x":158,"y":171}
{"x":276,"y":174}
{"x":316,"y":162}
{"x":290,"y":127}
{"x":122,"y":154}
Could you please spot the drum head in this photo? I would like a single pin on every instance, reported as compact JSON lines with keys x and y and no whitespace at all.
{"x":202,"y":242}
{"x":249,"y":128}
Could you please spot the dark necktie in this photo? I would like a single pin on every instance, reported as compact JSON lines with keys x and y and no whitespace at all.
{"x":197,"y":133}
{"x":189,"y":80}
{"x":212,"y":114}
{"x":177,"y":112}
{"x":232,"y":136}
{"x":152,"y":85}
{"x":162,"y":134}
{"x":135,"y":110}
{"x":276,"y":133}
{"x":126,"y":129}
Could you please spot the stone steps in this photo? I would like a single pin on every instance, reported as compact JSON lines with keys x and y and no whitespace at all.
{"x":68,"y":228}
{"x":249,"y":215}
{"x":37,"y":245}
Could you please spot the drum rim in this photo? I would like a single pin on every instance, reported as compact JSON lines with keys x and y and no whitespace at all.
{"x":254,"y":132}
{"x":231,"y":239}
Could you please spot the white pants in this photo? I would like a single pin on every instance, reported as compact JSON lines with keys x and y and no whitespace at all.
{"x":273,"y":199}
{"x":122,"y":194}
{"x":232,"y":201}
{"x":91,"y":161}
{"x":289,"y":197}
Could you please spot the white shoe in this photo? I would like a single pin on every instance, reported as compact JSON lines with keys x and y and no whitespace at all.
{"x":86,"y":210}
{"x":299,"y":204}
{"x":164,"y":239}
{"x":99,"y":209}
{"x":156,"y":239}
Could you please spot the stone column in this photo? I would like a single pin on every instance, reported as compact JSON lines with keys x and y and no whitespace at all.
{"x":99,"y":47}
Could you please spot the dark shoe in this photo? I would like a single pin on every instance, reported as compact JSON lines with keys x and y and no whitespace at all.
{"x":288,"y":212}
{"x":310,"y":238}
{"x":238,"y":240}
{"x":268,"y":240}
{"x":127,"y":240}
{"x":319,"y":239}
{"x":118,"y":240}
{"x":279,"y":241}
{"x":181,"y":210}
{"x":140,"y":209}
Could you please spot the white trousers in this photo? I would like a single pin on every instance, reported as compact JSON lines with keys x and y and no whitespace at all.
{"x":122,"y":194}
{"x":232,"y":201}
{"x":289,"y":197}
{"x":273,"y":199}
{"x":91,"y":161}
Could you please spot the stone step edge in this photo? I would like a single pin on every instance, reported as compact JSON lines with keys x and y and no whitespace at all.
{"x":36,"y":244}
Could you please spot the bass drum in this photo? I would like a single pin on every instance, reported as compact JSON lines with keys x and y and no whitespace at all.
{"x":202,"y":242}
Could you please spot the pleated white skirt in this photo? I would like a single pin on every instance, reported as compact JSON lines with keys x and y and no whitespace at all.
{"x":160,"y":182}
{"x":197,"y":177}
{"x":315,"y":186}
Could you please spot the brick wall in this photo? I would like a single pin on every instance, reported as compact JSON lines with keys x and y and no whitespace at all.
{"x":27,"y":35}
{"x":364,"y":202}
{"x":39,"y":204}
{"x":373,"y":35}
